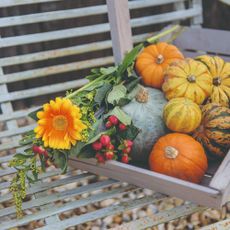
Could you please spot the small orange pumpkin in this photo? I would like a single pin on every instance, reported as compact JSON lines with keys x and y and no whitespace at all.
{"x":153,"y":60}
{"x":179,"y":155}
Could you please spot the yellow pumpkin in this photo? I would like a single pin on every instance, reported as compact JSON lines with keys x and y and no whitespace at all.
{"x":187,"y":78}
{"x":182,"y":115}
{"x":220,"y":72}
{"x":153,"y":60}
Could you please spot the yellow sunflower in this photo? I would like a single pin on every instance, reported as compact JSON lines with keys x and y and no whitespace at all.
{"x":59,"y":124}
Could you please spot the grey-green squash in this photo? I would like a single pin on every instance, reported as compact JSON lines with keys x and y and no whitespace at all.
{"x":146,"y":113}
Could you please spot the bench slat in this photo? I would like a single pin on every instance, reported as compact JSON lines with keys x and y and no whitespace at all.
{"x":11,"y":144}
{"x":18,"y":114}
{"x":53,"y":15}
{"x":7,"y":3}
{"x":65,"y":194}
{"x":199,"y":39}
{"x":69,"y":206}
{"x":39,"y":187}
{"x":111,"y":210}
{"x":161,"y":217}
{"x":57,"y":53}
{"x":35,"y":188}
{"x":17,"y":131}
{"x":41,"y":72}
{"x":96,"y":29}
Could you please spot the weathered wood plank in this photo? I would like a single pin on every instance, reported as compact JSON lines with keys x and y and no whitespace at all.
{"x":69,"y":206}
{"x":111,"y":210}
{"x":10,"y":145}
{"x":120,"y":28}
{"x":18,"y":114}
{"x":57,"y":53}
{"x":16,"y":131}
{"x":165,"y":17}
{"x":161,"y":217}
{"x":41,"y":72}
{"x":151,"y":180}
{"x":196,"y":4}
{"x":199,"y":39}
{"x":148,"y":3}
{"x":221,"y":179}
{"x":38,"y":187}
{"x":95,"y":29}
{"x":6,"y":3}
{"x":53,"y":15}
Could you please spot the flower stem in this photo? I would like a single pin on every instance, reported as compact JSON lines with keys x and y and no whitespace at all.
{"x":162,"y":34}
{"x":84,"y":87}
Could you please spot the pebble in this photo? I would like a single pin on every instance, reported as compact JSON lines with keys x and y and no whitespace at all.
{"x":126,"y":217}
{"x":141,"y":214}
{"x":108,"y":220}
{"x":106,"y":203}
{"x":148,"y":192}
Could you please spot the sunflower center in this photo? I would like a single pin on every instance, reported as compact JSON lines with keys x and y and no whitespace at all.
{"x":159,"y":59}
{"x":216,"y":81}
{"x":60,"y":122}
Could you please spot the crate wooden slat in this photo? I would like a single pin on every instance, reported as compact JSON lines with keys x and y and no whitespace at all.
{"x":162,"y":217}
{"x":207,"y":196}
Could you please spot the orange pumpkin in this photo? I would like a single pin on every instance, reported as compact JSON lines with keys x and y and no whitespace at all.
{"x":153,"y":60}
{"x":179,"y":155}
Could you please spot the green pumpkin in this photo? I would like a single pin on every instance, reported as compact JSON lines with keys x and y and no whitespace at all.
{"x":146,"y":113}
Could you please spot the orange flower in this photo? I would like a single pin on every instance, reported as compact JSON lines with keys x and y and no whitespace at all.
{"x":59,"y":124}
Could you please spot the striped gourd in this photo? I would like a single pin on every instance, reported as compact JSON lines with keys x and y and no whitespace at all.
{"x":182,"y":115}
{"x":187,"y":78}
{"x":214,"y":131}
{"x":220,"y":72}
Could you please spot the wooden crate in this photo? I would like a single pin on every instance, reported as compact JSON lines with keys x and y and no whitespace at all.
{"x":214,"y":190}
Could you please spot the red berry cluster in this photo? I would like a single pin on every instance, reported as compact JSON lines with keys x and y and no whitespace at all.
{"x":39,"y":150}
{"x":110,"y":147}
{"x":42,"y":152}
{"x":113,"y":121}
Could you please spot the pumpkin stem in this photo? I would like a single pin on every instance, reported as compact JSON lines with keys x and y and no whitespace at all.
{"x":216,"y":81}
{"x":142,"y":95}
{"x":191,"y":78}
{"x":159,"y":59}
{"x":171,"y":152}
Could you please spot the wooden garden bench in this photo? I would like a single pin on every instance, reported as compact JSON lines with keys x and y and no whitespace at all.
{"x":43,"y":51}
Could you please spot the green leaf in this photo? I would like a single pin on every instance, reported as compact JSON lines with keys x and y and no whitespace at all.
{"x":33,"y":114}
{"x":87,"y":153}
{"x":130,"y":58}
{"x":130,"y":133}
{"x":132,"y":84}
{"x":118,"y":92}
{"x":43,"y":163}
{"x":123,"y":101}
{"x":108,"y":70}
{"x":21,"y":156}
{"x":121,"y":115}
{"x":96,"y":128}
{"x":101,"y":93}
{"x":94,"y":86}
{"x":28,"y":138}
{"x":61,"y":159}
